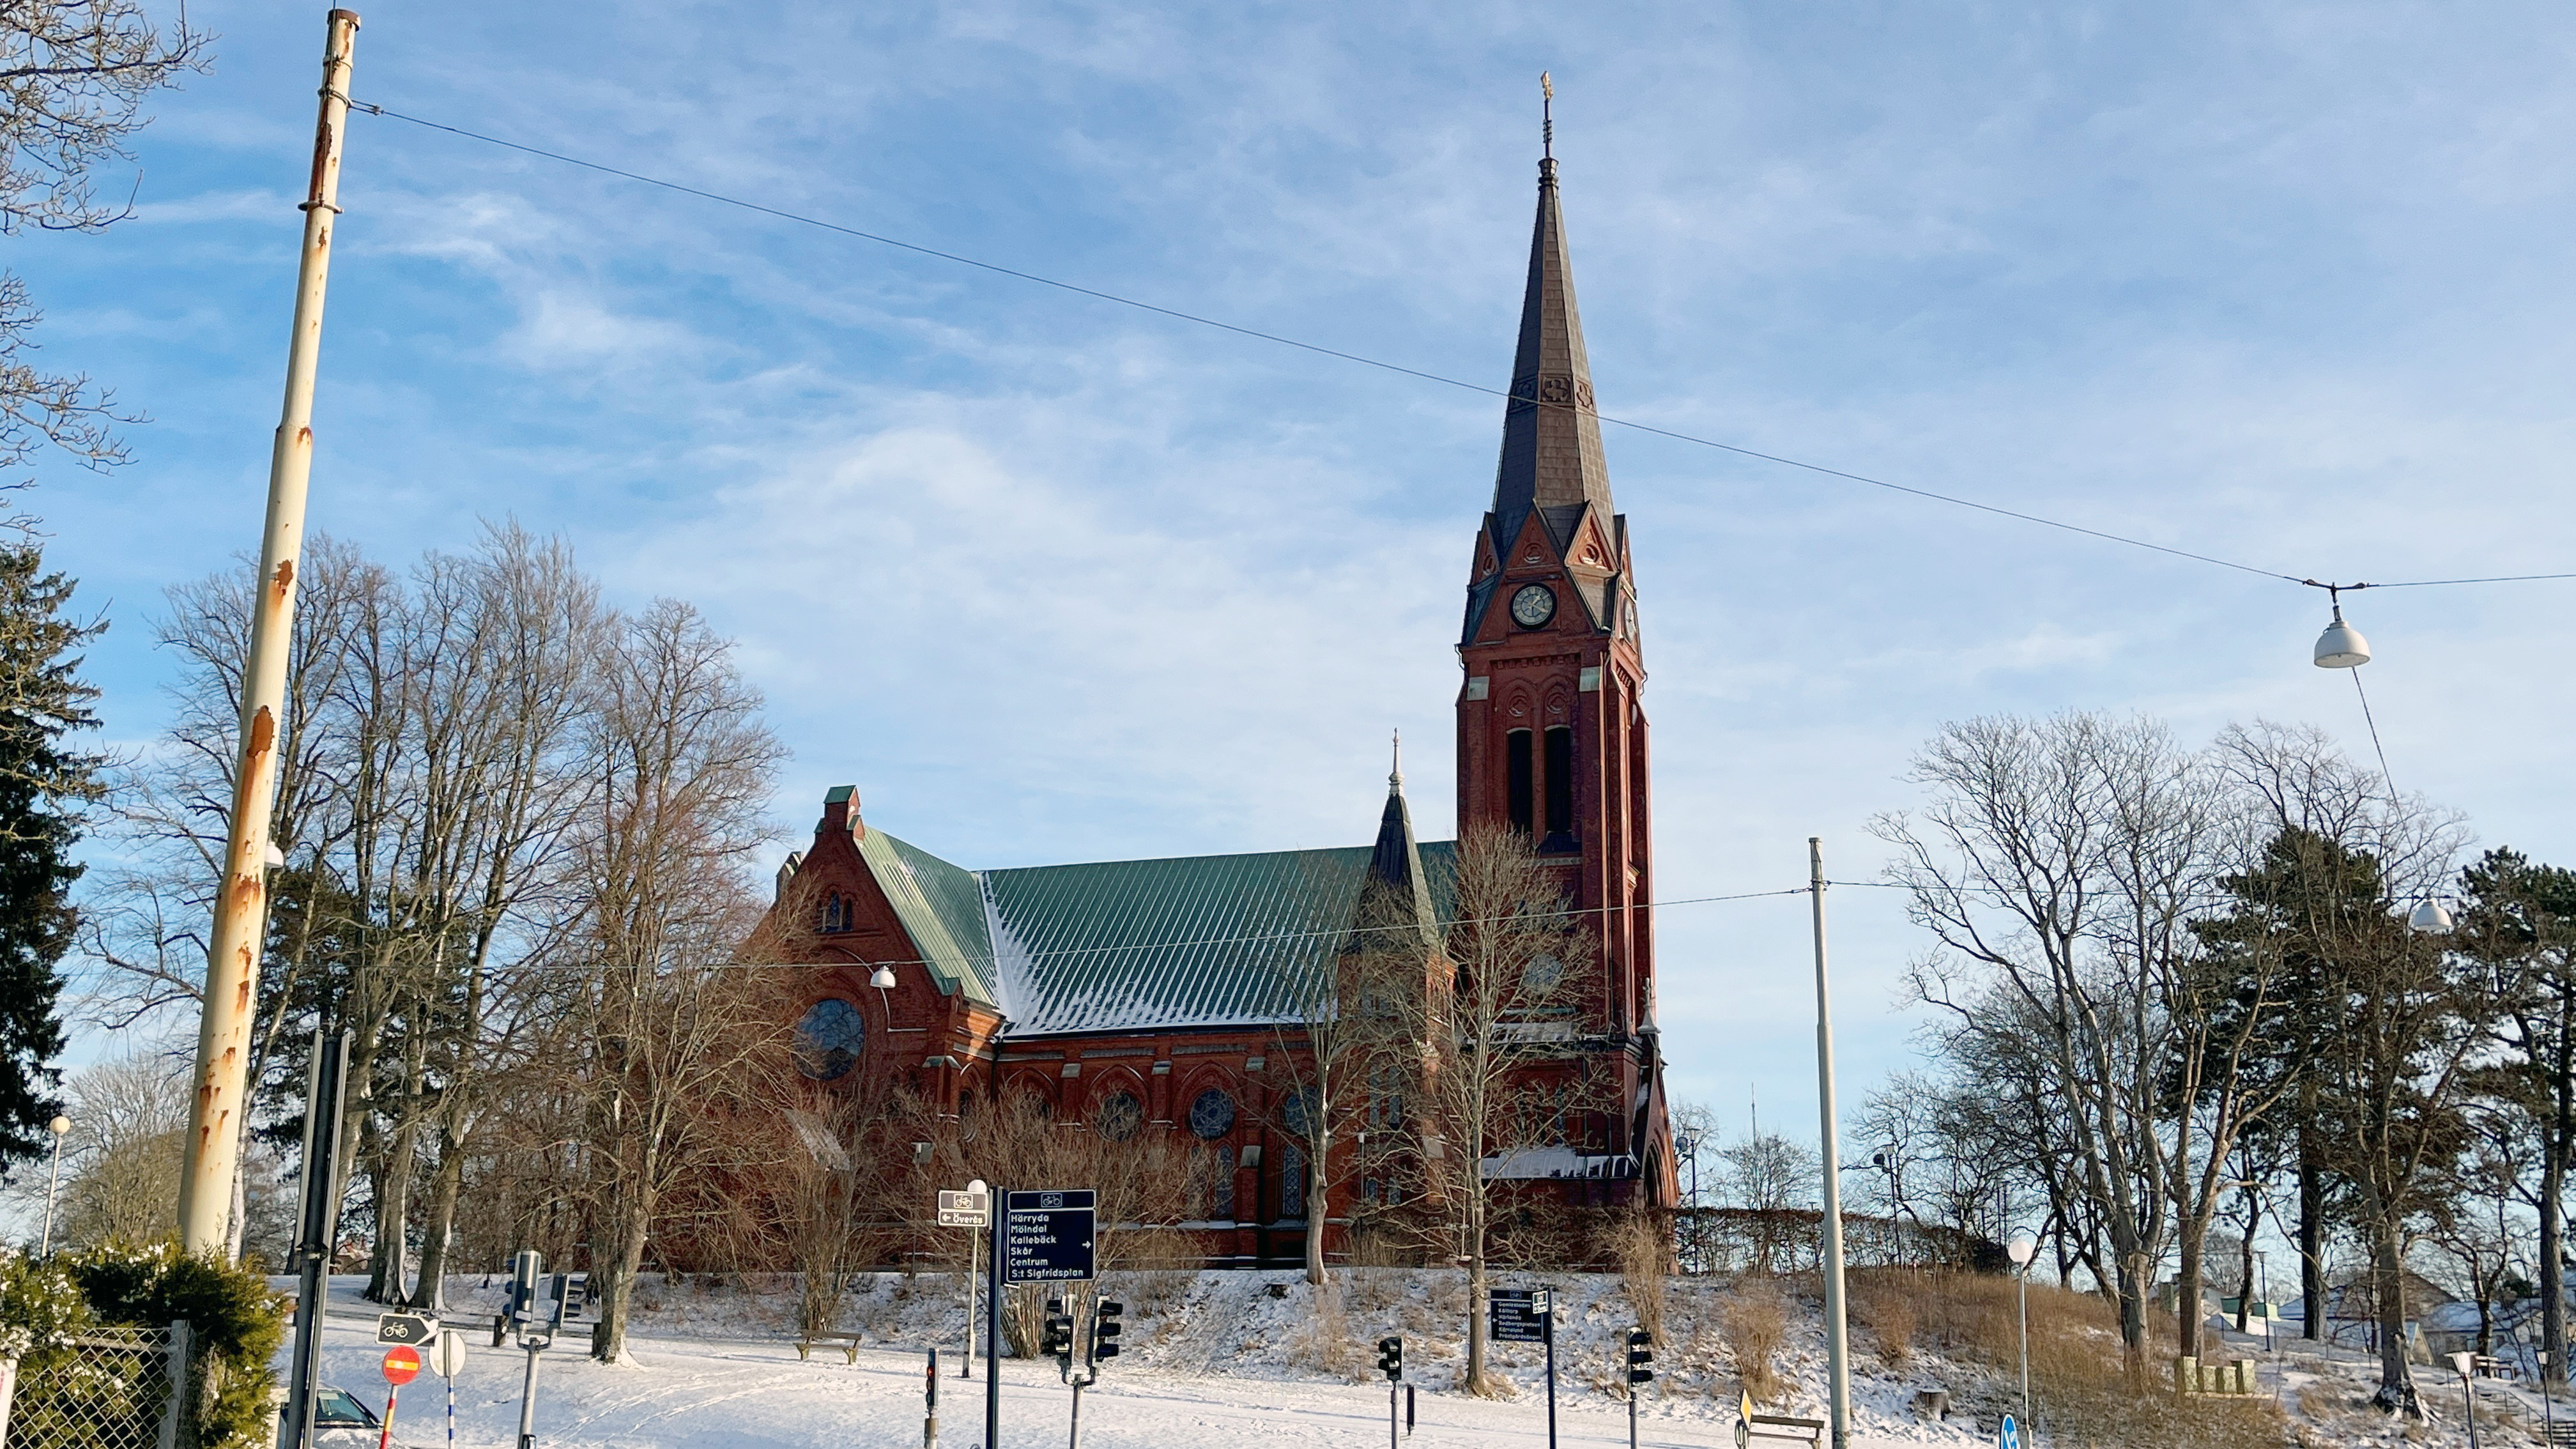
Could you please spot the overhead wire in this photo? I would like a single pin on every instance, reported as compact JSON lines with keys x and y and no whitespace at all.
{"x":1197,"y":319}
{"x":1318,"y":349}
{"x":2385,"y":777}
{"x":1283,"y":938}
{"x":1270,"y":938}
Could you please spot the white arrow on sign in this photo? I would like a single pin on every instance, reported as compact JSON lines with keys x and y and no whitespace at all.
{"x":2009,"y":1436}
{"x":448,"y":1358}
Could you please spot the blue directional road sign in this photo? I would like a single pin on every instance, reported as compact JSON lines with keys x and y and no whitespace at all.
{"x":1047,"y":1237}
{"x":2009,"y":1436}
{"x":1520,"y":1315}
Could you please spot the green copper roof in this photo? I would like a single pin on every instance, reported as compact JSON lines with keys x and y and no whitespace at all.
{"x":1127,"y":945}
{"x":942,"y":910}
{"x":1196,"y":941}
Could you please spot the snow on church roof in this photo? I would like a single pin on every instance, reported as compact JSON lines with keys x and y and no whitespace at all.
{"x":1129,"y":945}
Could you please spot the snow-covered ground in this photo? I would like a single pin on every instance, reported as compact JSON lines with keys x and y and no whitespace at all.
{"x":1215,"y":1359}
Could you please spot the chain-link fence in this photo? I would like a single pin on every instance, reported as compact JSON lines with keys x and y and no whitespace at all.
{"x":108,"y":1388}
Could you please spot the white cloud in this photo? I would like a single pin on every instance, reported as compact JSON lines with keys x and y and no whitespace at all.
{"x":1051,"y":579}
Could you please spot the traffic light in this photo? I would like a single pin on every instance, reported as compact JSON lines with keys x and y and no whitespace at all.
{"x":1105,"y":1329}
{"x":1390,"y":1358}
{"x":1641,"y":1356}
{"x":1057,"y":1341}
{"x":527,"y":1269}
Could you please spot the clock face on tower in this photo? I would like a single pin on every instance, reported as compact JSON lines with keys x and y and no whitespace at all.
{"x":1533,"y":605}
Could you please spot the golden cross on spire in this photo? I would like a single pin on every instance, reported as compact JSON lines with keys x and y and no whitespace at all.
{"x":1547,"y":114}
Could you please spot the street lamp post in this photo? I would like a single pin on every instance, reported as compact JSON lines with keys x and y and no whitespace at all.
{"x":2548,"y":1425}
{"x":2263,"y":1275}
{"x":1687,"y":1144}
{"x":59,"y":1127}
{"x":2467,"y":1364}
{"x":2022,"y":1249}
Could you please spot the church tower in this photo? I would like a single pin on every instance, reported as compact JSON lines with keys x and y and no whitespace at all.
{"x":1551,"y":733}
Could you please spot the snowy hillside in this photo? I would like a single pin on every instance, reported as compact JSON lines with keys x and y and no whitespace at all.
{"x":1230,"y":1358}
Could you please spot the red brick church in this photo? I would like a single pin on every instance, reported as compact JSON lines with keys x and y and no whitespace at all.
{"x":1157,"y":990}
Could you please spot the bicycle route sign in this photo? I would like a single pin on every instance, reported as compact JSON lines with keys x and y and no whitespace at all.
{"x":1048,"y":1236}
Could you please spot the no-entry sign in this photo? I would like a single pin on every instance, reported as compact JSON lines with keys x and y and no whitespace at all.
{"x":402,"y":1365}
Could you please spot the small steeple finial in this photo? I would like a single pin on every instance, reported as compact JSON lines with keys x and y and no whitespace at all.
{"x":1395,"y":774}
{"x":1546,"y":116}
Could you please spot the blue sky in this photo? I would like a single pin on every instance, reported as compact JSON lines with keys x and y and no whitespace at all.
{"x":1050,"y":579}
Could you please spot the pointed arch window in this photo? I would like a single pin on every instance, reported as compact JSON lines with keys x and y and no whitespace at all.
{"x":836,"y":913}
{"x":1560,"y":789}
{"x":1292,"y":1182}
{"x":1519,"y":781}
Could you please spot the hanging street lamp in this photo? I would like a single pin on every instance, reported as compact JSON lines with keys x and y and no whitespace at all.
{"x":2341,"y":645}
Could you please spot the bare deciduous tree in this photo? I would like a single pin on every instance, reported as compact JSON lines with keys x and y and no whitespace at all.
{"x":1772,"y":1178}
{"x":1326,"y":1052}
{"x":2057,"y":866}
{"x":670,"y":1023}
{"x":74,"y":75}
{"x":1476,"y":1078}
{"x":129,"y":1118}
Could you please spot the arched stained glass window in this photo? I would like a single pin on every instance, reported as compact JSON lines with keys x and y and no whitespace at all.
{"x":1292,"y":1181}
{"x":829,"y":1039}
{"x":1212,"y":1114}
{"x":1118,"y":1116}
{"x":1297,"y":1111}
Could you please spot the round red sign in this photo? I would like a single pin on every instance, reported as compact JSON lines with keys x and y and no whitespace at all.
{"x":402,"y":1365}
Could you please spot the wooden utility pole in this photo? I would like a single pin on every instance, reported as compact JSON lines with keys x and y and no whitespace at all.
{"x":241,"y":907}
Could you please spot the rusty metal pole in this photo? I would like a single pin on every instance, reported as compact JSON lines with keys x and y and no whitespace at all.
{"x":241,"y":909}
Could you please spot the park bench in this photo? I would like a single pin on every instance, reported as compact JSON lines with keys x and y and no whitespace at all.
{"x":849,"y":1345}
{"x":2562,"y":1434}
{"x":1778,"y":1426}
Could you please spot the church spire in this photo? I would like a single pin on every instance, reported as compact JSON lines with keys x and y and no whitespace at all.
{"x":1396,"y":894}
{"x":1551,"y":458}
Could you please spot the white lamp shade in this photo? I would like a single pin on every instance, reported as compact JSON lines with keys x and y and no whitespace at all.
{"x":2429,"y":918}
{"x":2022,"y":1250}
{"x":59,"y":1126}
{"x":2341,"y":645}
{"x":883,"y":979}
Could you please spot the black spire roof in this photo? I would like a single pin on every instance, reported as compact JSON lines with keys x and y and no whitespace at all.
{"x":1551,"y":457}
{"x":1396,"y":894}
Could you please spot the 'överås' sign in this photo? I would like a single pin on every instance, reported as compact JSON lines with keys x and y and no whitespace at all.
{"x":1047,"y":1236}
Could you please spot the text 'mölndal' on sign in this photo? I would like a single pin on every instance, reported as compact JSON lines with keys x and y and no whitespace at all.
{"x":1047,"y":1236}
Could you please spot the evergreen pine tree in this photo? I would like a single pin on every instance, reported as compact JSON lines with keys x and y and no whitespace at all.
{"x":43,"y":784}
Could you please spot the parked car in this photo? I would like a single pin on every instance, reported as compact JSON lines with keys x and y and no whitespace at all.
{"x":341,"y":1420}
